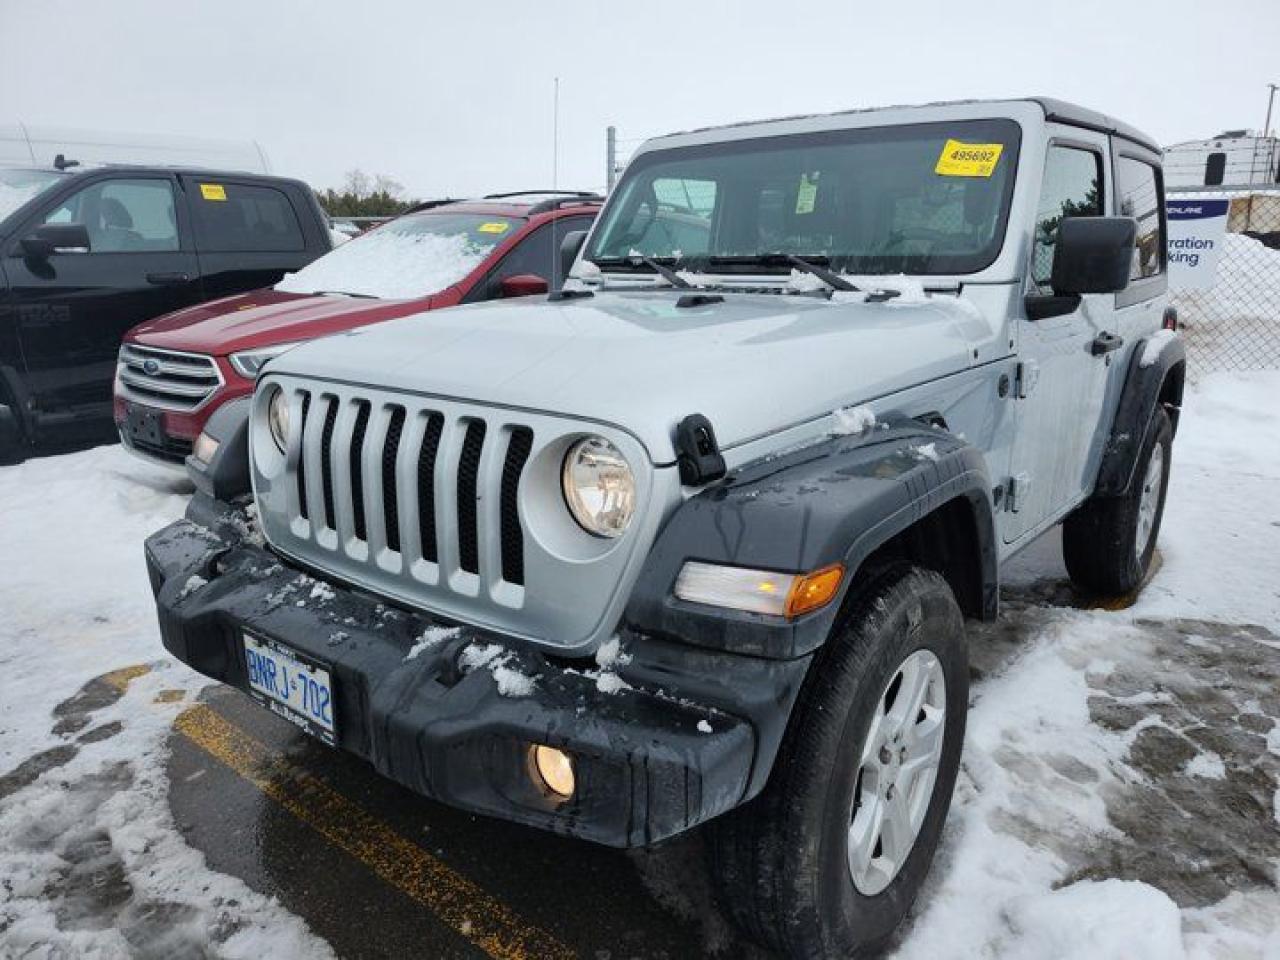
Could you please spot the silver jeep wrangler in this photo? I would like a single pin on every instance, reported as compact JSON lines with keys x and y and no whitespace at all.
{"x":693,"y":540}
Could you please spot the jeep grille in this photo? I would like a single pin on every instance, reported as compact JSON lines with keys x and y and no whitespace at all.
{"x":420,"y":499}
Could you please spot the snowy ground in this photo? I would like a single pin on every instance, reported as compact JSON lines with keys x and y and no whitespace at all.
{"x":1118,"y":799}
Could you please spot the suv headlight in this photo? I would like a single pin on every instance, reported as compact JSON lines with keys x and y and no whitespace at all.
{"x":599,"y":487}
{"x":278,"y":418}
{"x":248,"y":363}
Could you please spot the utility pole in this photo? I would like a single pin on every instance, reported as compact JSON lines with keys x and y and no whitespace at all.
{"x":555,"y":138}
{"x":1271,"y":97}
{"x":610,"y":158}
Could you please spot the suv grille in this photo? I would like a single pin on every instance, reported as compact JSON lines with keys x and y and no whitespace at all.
{"x":381,"y":476}
{"x":448,"y":505}
{"x":167,"y":378}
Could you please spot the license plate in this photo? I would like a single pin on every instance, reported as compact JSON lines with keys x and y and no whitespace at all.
{"x":296,"y":689}
{"x":145,"y":425}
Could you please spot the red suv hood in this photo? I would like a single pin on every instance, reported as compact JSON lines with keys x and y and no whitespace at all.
{"x":263,"y":318}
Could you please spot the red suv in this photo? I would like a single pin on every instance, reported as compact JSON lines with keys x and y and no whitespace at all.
{"x":175,"y":371}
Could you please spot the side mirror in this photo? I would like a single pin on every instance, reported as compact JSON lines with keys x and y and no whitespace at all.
{"x":569,"y":248}
{"x":51,"y":238}
{"x":522,"y":285}
{"x":1093,"y":255}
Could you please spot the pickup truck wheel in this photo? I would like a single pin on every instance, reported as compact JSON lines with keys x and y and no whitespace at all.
{"x":828,"y":859}
{"x":1108,"y":543}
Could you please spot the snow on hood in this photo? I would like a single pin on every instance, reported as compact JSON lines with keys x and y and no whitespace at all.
{"x":753,"y":364}
{"x":389,"y":265}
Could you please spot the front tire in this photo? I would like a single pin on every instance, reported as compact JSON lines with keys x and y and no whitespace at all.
{"x":829,"y":858}
{"x":1108,"y":543}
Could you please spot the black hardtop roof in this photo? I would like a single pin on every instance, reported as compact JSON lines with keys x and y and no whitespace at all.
{"x":1059,"y":111}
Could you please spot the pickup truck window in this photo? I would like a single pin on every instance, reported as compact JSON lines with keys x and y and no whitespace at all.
{"x":123,"y":216}
{"x":19,"y":186}
{"x":1139,"y":198}
{"x":874,"y":200}
{"x":238,"y":218}
{"x":406,"y":258}
{"x":1072,"y":187}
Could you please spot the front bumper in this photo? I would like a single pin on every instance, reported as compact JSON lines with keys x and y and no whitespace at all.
{"x":661,"y":741}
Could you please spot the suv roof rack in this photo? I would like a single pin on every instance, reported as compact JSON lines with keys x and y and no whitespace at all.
{"x":538,"y":193}
{"x":428,"y":204}
{"x":576,"y":200}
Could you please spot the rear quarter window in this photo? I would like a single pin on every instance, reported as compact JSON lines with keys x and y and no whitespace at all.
{"x":236,"y":218}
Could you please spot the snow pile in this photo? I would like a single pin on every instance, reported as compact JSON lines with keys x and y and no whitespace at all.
{"x":430,"y":637}
{"x":498,"y":661}
{"x":389,"y":265}
{"x":1155,"y":346}
{"x":852,"y":421}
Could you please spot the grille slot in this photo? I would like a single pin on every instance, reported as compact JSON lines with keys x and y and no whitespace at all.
{"x":518,"y":448}
{"x":167,"y":378}
{"x":427,"y":454}
{"x":468,"y":479}
{"x":357,"y":468}
{"x":326,"y":462}
{"x":302,"y":460}
{"x":390,"y":506}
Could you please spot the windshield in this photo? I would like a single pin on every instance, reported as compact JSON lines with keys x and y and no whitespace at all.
{"x":406,"y":258}
{"x":19,"y":186}
{"x":918,"y":199}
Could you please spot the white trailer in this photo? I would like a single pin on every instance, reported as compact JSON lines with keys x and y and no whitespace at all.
{"x":1235,"y":158}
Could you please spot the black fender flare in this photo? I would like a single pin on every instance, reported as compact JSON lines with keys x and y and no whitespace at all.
{"x":1145,"y":389}
{"x":835,"y":501}
{"x":226,"y":475}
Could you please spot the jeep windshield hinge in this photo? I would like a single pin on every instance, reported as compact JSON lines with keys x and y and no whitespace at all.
{"x":697,"y":453}
{"x":1024,"y":379}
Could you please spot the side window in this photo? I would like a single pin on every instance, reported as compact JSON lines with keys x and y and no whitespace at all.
{"x":238,"y":218}
{"x":1072,"y":188}
{"x":534,"y":254}
{"x":1215,"y":169}
{"x":1139,"y":193}
{"x":123,"y":216}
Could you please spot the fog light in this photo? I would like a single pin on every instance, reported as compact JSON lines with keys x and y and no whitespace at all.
{"x":205,"y":448}
{"x":555,"y":769}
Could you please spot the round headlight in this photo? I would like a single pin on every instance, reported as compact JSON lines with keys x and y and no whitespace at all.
{"x":278,"y":418}
{"x":599,"y":487}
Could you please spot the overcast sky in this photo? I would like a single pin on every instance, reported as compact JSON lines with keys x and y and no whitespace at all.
{"x":456,"y":99}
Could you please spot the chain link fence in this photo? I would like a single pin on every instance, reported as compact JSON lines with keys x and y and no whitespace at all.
{"x":1235,"y":323}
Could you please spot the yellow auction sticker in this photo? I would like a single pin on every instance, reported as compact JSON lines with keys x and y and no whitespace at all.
{"x":213,"y":191}
{"x":968,"y":159}
{"x":493,"y":227}
{"x":807,"y":194}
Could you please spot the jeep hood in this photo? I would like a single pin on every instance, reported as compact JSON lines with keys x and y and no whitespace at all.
{"x":753,"y":364}
{"x":263,"y":318}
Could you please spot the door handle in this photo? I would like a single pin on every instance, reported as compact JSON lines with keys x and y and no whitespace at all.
{"x":1105,"y":343}
{"x":163,"y":279}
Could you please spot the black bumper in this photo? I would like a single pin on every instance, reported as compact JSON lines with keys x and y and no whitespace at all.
{"x":689,"y":735}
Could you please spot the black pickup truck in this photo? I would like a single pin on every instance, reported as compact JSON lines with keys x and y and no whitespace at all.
{"x":86,"y":255}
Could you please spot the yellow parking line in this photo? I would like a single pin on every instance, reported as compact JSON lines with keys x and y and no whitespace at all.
{"x":464,"y":906}
{"x":120,"y":679}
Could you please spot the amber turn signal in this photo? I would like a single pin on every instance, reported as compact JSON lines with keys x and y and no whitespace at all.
{"x":814,"y":590}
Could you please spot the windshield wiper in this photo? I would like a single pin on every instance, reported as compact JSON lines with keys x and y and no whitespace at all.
{"x":652,"y":263}
{"x":809,"y":265}
{"x":343,"y":293}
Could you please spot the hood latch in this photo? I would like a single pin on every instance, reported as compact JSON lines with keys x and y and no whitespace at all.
{"x":697,"y":453}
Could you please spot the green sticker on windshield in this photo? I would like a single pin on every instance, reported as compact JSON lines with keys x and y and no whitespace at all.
{"x":807,"y":195}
